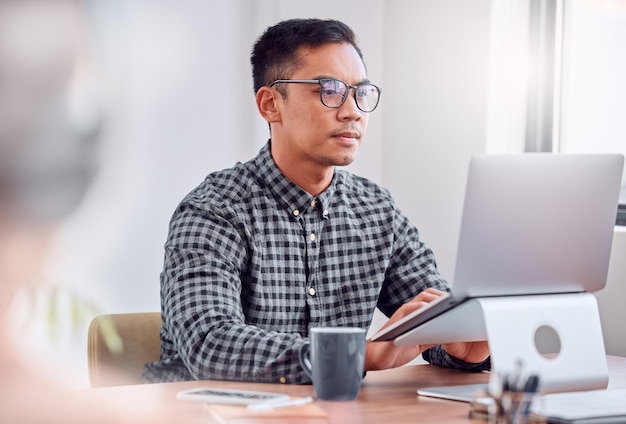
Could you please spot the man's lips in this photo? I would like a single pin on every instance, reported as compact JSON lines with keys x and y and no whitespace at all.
{"x":348,"y":134}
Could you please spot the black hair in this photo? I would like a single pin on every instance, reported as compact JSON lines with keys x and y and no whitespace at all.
{"x":275,"y":53}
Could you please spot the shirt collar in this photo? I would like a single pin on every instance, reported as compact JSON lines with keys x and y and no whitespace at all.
{"x":291,"y":195}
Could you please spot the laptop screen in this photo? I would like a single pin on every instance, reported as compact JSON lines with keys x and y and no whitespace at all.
{"x":537,"y":223}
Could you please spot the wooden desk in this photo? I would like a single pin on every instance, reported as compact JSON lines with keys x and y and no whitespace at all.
{"x":386,"y":397}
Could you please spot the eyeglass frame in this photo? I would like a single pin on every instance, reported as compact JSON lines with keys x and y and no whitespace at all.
{"x":321,"y":80}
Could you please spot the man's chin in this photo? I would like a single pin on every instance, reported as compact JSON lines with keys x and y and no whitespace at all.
{"x":340,"y":161}
{"x":345,"y":162}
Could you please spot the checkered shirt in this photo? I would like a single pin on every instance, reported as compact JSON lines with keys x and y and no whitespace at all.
{"x":252,"y":262}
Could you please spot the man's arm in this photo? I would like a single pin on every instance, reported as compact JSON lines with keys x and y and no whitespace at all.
{"x":383,"y":355}
{"x":413,"y":275}
{"x":206,"y":254}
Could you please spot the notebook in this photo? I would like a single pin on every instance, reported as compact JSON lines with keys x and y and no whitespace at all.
{"x":532,"y":223}
{"x":588,"y":407}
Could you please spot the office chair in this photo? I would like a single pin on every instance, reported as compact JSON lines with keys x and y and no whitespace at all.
{"x":119,"y":345}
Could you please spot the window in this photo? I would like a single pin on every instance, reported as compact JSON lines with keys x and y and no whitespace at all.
{"x":593,"y":85}
{"x":557,"y":78}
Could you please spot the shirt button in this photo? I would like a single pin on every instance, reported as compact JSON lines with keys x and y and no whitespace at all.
{"x":296,"y":212}
{"x":312,"y":291}
{"x":282,"y":380}
{"x":312,"y":237}
{"x":325,"y":213}
{"x":313,"y":202}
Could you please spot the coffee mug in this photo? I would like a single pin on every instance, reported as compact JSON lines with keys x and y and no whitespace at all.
{"x":334,"y":359}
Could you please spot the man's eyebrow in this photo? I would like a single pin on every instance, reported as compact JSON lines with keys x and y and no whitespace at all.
{"x":319,"y":77}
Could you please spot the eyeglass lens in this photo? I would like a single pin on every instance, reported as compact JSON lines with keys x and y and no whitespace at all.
{"x":334,"y":93}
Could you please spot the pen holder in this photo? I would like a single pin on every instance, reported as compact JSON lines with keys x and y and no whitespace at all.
{"x":509,"y":400}
{"x":516,"y":407}
{"x":511,"y":407}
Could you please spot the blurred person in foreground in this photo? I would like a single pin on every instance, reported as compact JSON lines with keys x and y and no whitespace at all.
{"x":258,"y":254}
{"x":48,"y":130}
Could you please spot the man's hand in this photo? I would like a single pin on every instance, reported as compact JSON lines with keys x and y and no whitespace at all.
{"x":473,"y":352}
{"x":383,"y":355}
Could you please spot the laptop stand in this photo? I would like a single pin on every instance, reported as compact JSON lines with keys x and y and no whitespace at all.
{"x":511,"y":323}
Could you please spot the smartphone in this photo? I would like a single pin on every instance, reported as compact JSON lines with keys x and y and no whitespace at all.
{"x":229,"y":396}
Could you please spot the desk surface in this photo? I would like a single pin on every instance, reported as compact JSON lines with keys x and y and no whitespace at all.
{"x":386,"y":396}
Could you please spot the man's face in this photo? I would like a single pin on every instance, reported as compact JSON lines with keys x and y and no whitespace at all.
{"x":314,"y":134}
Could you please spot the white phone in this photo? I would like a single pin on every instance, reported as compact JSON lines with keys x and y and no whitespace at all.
{"x":229,"y":396}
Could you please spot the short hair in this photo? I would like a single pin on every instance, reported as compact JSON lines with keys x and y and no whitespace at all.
{"x":275,"y":53}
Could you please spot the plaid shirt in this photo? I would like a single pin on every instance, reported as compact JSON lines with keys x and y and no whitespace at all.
{"x":252,"y":262}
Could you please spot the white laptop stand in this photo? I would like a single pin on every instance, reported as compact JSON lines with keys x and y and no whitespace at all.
{"x":510,"y":325}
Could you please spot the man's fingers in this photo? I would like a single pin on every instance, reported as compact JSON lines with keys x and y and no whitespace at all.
{"x":414,"y":304}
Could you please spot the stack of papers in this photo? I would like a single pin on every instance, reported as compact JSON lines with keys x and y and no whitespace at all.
{"x":593,"y":406}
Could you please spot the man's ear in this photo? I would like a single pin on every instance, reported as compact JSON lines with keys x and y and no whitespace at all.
{"x":267,"y":103}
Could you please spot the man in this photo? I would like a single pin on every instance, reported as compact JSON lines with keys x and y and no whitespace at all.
{"x":258,"y":254}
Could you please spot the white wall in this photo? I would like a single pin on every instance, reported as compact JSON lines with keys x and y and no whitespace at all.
{"x":612,"y":299}
{"x":436,"y":84}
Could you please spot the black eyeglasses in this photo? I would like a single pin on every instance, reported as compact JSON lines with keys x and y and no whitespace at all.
{"x":334,"y":92}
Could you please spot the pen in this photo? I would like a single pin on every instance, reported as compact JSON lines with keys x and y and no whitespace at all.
{"x":532,"y":384}
{"x":269,"y":406}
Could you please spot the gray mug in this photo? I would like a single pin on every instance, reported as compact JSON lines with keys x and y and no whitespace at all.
{"x":334,"y":359}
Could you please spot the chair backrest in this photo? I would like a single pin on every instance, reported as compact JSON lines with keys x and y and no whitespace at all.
{"x":119,"y":345}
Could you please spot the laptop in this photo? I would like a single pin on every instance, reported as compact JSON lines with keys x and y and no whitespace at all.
{"x":532,"y":224}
